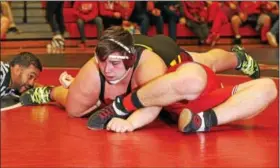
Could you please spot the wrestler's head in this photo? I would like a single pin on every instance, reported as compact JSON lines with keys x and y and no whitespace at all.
{"x":115,"y":54}
{"x":25,"y":69}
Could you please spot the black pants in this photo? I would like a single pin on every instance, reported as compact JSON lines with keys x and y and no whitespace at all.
{"x":54,"y":16}
{"x":110,"y":21}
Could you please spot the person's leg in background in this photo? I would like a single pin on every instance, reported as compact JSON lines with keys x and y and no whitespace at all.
{"x":272,"y":34}
{"x":60,"y":18}
{"x":143,"y":21}
{"x":4,"y":25}
{"x":204,"y":31}
{"x":81,"y":28}
{"x":218,"y":22}
{"x":7,"y":12}
{"x":195,"y":28}
{"x":53,"y":8}
{"x":50,"y":9}
{"x":99,"y":25}
{"x":172,"y":19}
{"x":264,"y":22}
{"x":158,"y":22}
{"x":109,"y":21}
{"x":236,"y":23}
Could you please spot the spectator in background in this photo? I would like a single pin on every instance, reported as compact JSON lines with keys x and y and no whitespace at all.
{"x":251,"y":13}
{"x":272,"y":10}
{"x":219,"y":14}
{"x":7,"y":12}
{"x":154,"y":14}
{"x":195,"y":13}
{"x":145,"y":14}
{"x":272,"y":34}
{"x":4,"y":25}
{"x":87,"y":12}
{"x":54,"y":16}
{"x":115,"y":12}
{"x":172,"y":12}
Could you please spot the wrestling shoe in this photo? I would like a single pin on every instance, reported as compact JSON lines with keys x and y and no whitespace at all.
{"x":99,"y":119}
{"x":57,"y":42}
{"x":189,"y":122}
{"x":248,"y":65}
{"x":36,"y":96}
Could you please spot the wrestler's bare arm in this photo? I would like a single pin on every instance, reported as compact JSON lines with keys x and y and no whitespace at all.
{"x":84,"y":90}
{"x":150,"y":68}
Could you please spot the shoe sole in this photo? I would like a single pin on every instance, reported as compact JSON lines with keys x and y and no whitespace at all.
{"x":271,"y":40}
{"x":184,"y":119}
{"x":95,"y":129}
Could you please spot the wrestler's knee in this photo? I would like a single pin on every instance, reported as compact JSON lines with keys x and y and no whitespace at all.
{"x":268,"y":88}
{"x":190,"y":80}
{"x":74,"y":112}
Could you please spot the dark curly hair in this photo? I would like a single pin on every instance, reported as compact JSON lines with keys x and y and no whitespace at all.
{"x":26,"y":59}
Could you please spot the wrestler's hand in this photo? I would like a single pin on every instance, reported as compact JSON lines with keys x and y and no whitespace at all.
{"x":65,"y":79}
{"x":119,"y":125}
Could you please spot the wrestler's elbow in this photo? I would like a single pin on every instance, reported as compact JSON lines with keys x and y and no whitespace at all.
{"x":73,"y":109}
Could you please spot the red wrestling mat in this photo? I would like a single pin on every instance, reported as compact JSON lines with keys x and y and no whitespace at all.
{"x":44,"y":136}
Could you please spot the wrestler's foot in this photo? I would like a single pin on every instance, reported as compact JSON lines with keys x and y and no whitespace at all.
{"x":190,"y":122}
{"x":99,"y":119}
{"x":248,"y":65}
{"x":36,"y":96}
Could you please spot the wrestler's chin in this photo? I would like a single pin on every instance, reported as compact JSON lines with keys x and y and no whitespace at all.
{"x":22,"y":89}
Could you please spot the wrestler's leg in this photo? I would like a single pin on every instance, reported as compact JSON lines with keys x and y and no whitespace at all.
{"x":186,"y":81}
{"x":172,"y":87}
{"x":219,"y":60}
{"x":59,"y":95}
{"x":242,"y":105}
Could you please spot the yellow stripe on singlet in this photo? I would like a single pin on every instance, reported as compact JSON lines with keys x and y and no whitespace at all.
{"x":145,"y":46}
{"x":172,"y":63}
{"x":179,"y":59}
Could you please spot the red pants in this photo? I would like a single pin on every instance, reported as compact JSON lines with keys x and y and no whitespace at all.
{"x":212,"y":95}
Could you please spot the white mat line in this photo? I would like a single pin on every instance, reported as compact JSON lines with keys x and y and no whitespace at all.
{"x":11,"y":107}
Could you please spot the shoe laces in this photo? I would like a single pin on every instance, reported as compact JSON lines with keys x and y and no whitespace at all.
{"x":40,"y":95}
{"x":107,"y":112}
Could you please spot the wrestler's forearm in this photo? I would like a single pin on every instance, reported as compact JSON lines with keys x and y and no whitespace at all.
{"x":143,"y":117}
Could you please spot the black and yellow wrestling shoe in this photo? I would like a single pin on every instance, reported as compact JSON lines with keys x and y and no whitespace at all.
{"x":36,"y":96}
{"x":248,"y":65}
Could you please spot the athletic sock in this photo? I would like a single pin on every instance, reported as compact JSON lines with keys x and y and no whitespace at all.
{"x":128,"y":104}
{"x":208,"y":120}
